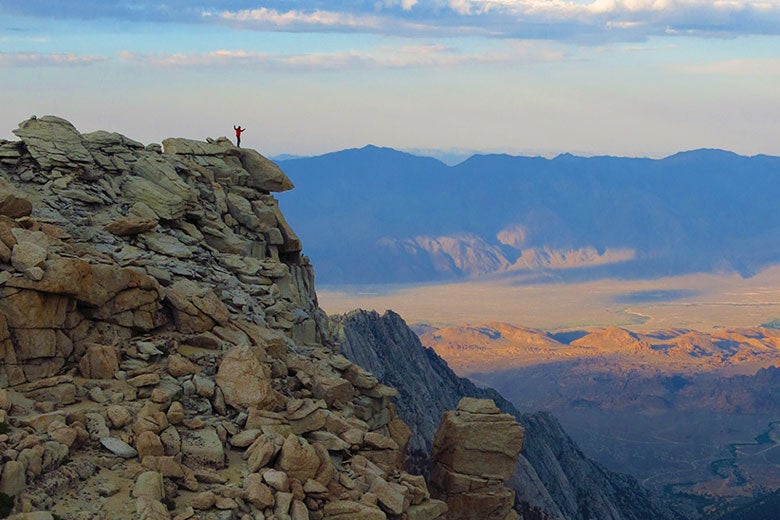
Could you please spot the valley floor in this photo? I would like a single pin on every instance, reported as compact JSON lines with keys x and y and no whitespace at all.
{"x":674,"y":398}
{"x":697,"y":301}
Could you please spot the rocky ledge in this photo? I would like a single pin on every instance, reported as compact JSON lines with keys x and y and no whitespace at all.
{"x":163,"y":354}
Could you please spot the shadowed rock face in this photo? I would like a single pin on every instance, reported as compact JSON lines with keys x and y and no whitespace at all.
{"x":552,"y":478}
{"x":161,"y":345}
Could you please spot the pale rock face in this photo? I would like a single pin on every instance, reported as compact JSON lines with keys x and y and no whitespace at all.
{"x":164,"y":204}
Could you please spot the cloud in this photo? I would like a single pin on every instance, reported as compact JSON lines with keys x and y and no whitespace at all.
{"x":36,"y":59}
{"x":546,"y":19}
{"x":264,"y":18}
{"x":591,"y":20}
{"x":403,"y":57}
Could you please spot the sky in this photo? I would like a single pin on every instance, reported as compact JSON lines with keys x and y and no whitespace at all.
{"x":441,"y":77}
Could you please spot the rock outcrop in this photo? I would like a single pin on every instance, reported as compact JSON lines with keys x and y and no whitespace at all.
{"x":163,"y":353}
{"x":552,"y":478}
{"x":474,"y":452}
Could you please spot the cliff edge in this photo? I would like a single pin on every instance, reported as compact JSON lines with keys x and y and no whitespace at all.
{"x":163,"y":353}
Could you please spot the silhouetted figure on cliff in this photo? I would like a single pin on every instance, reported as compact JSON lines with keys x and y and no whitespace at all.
{"x":238,"y":130}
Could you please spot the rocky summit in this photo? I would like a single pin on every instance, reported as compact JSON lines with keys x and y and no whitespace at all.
{"x":163,"y":353}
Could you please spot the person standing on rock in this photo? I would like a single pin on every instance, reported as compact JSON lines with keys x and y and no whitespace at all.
{"x":238,"y":130}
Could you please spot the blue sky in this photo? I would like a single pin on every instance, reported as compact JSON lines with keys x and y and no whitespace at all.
{"x":620,"y":77}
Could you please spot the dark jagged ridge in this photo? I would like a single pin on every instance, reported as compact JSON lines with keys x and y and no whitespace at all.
{"x":552,"y":475}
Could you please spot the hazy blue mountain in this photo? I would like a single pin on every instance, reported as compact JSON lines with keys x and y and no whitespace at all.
{"x":388,"y":216}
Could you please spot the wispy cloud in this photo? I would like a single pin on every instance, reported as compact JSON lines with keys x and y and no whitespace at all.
{"x":550,"y":19}
{"x":388,"y":18}
{"x":264,"y":18}
{"x":381,"y":58}
{"x":36,"y":59}
{"x":540,"y":19}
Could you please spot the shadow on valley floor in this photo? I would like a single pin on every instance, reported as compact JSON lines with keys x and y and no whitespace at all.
{"x":654,"y":296}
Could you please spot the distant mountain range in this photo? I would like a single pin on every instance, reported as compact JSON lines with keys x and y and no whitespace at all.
{"x":384,"y":216}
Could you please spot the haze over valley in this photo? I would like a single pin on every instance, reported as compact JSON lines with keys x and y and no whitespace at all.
{"x":635,"y":299}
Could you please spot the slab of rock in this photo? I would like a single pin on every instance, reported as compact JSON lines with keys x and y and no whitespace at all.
{"x":166,"y":245}
{"x":256,"y":492}
{"x":12,"y":203}
{"x":131,"y":225}
{"x":147,"y":508}
{"x":202,"y":447}
{"x":150,"y":484}
{"x":298,"y":458}
{"x":245,"y":438}
{"x":262,"y":451}
{"x":196,"y":308}
{"x":118,"y":447}
{"x":163,"y":203}
{"x":53,"y":141}
{"x":263,"y":173}
{"x":277,"y":480}
{"x":349,"y":510}
{"x":99,"y":362}
{"x":12,"y":480}
{"x":26,"y":255}
{"x":390,"y":496}
{"x":179,"y":366}
{"x":204,"y":500}
{"x":148,"y":443}
{"x":166,"y":465}
{"x":118,"y":416}
{"x":62,"y":433}
{"x":428,"y":510}
{"x":245,"y":381}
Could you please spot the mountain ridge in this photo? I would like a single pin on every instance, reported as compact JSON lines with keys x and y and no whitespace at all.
{"x":553,"y":479}
{"x":701,"y":210}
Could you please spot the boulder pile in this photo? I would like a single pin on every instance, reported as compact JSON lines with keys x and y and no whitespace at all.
{"x":163,"y":353}
{"x":474,"y":452}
